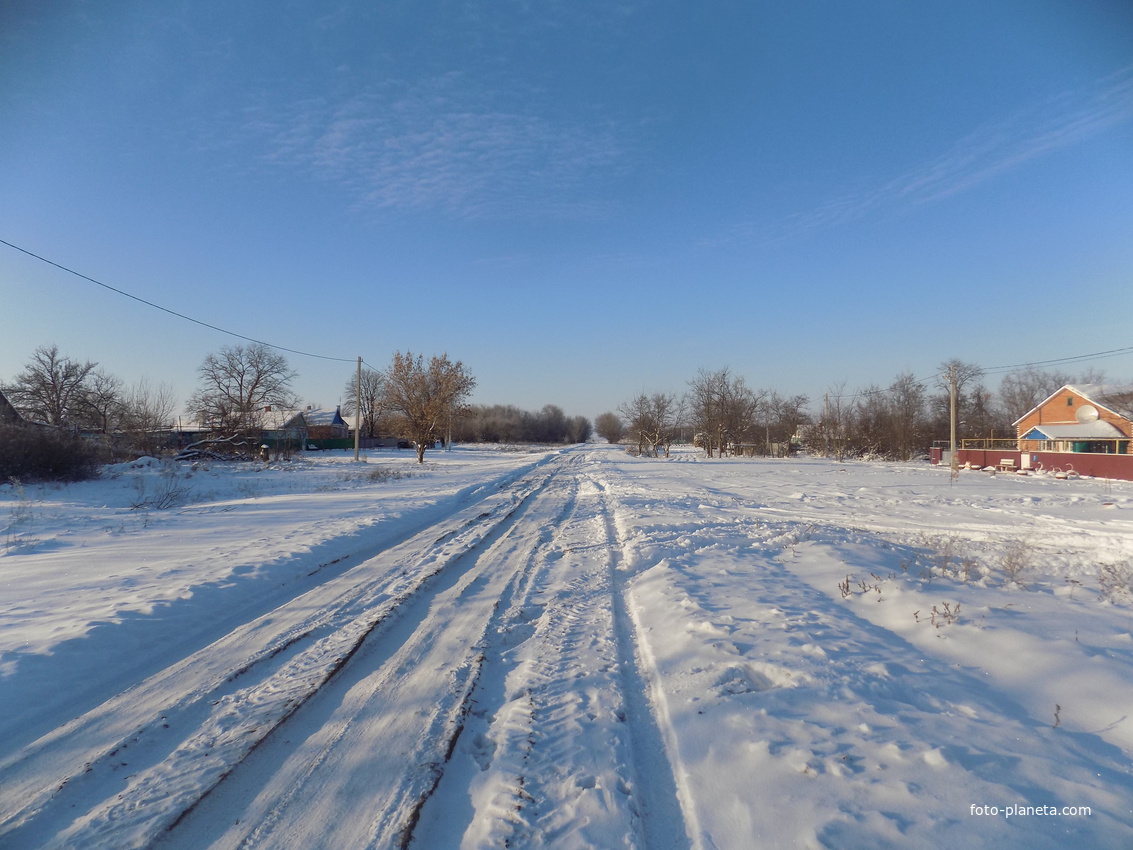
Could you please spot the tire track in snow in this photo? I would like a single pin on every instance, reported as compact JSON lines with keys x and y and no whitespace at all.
{"x":211,"y":609}
{"x":563,"y":747}
{"x":381,"y":735}
{"x":664,"y":795}
{"x":547,"y":758}
{"x":227,"y":706}
{"x":501,"y":728}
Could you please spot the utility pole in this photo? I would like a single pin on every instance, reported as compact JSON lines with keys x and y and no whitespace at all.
{"x":955,"y":464}
{"x":358,"y":410}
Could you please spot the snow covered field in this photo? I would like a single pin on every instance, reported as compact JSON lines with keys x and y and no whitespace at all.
{"x":567,"y":648}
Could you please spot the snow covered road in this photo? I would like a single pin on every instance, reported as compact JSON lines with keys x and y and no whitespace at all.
{"x":574,"y":649}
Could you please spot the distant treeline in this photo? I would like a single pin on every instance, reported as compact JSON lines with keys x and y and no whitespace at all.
{"x":499,"y":423}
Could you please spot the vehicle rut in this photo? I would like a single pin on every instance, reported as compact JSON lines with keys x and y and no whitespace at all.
{"x":132,"y":772}
{"x":563,"y":744}
{"x":347,"y":745}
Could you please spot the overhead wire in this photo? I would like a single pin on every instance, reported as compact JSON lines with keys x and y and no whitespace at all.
{"x":174,"y":312}
{"x":924,"y":383}
{"x":921,"y":382}
{"x":1078,"y":358}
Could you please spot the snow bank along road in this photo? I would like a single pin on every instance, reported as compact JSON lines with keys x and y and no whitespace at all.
{"x":598,"y":651}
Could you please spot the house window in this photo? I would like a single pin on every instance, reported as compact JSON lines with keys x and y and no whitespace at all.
{"x":1069,"y":402}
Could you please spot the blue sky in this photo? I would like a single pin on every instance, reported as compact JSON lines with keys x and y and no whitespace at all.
{"x":579,"y":200}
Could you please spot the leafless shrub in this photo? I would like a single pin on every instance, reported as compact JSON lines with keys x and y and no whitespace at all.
{"x":945,"y":614}
{"x":1116,"y":581}
{"x":863,"y":586}
{"x":46,"y":454}
{"x":377,"y":475}
{"x":249,"y":489}
{"x":1017,"y":558}
{"x":946,"y":557}
{"x":19,"y":516}
{"x":385,"y":473}
{"x":21,"y":511}
{"x":170,"y":491}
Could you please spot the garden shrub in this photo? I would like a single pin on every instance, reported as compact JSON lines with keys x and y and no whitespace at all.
{"x":32,"y":453}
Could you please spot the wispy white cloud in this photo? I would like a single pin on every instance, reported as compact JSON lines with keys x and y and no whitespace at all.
{"x":441,"y":145}
{"x":1059,"y":122}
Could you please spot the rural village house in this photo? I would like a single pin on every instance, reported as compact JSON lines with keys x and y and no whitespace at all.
{"x":1082,"y":429}
{"x":1082,"y":419}
{"x":8,"y":414}
{"x":315,"y":427}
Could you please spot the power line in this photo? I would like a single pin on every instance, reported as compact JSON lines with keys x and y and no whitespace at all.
{"x":174,"y":312}
{"x":924,"y":383}
{"x":1078,"y":358}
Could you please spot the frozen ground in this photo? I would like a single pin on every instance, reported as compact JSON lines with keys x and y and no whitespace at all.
{"x":566,"y":649}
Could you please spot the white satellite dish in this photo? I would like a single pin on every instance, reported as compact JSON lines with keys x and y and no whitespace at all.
{"x":1086,"y":413}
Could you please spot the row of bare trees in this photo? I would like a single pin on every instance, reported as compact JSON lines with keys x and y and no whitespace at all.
{"x":899,"y":421}
{"x":59,"y":391}
{"x":421,"y":400}
{"x":499,"y":423}
{"x":902,"y":420}
{"x":237,"y":385}
{"x":426,"y":401}
{"x":719,"y":409}
{"x":384,"y":403}
{"x":414,"y":398}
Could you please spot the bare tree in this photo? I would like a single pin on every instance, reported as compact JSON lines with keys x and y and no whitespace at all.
{"x":870,"y":423}
{"x":835,"y":426}
{"x":426,"y":397}
{"x":609,"y":425}
{"x":147,"y":411}
{"x":654,"y":421}
{"x":549,"y":425}
{"x":781,"y":418}
{"x":971,"y":397}
{"x":238,"y":384}
{"x":101,"y":401}
{"x":372,"y":399}
{"x":51,"y":388}
{"x":638,"y":419}
{"x":790,"y":416}
{"x":723,"y":409}
{"x":578,"y":429}
{"x":907,"y":407}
